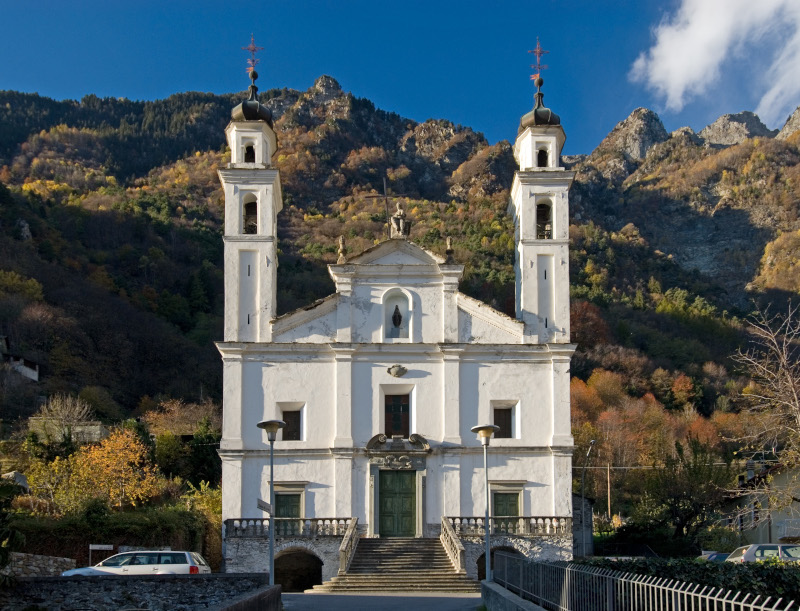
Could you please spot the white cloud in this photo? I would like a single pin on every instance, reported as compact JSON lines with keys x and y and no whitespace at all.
{"x":691,"y":45}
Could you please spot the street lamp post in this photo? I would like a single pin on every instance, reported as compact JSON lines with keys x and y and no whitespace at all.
{"x":583,"y":500}
{"x":271,"y":427}
{"x":485,"y":432}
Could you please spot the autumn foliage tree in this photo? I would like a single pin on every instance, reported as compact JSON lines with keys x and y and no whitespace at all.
{"x":118,"y":471}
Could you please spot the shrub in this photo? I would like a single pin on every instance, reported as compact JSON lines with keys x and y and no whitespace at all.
{"x":776,"y":579}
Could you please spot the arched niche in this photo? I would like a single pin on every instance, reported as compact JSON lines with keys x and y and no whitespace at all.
{"x":397,"y":315}
{"x":250,"y":214}
{"x":542,"y":158}
{"x":544,"y":220}
{"x":249,"y":153}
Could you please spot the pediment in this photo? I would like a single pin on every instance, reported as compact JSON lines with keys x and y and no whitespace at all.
{"x":396,"y":252}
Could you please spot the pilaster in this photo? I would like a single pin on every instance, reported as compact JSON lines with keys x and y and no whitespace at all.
{"x":344,"y":312}
{"x":561,"y":434}
{"x":451,"y":394}
{"x":343,"y":362}
{"x":343,"y":484}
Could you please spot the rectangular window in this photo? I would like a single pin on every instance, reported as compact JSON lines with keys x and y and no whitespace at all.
{"x":503,"y":417}
{"x":397,"y":415}
{"x":506,"y":504}
{"x":293,"y":431}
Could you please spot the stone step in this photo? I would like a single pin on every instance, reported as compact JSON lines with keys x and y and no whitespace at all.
{"x":397,"y":565}
{"x":400,"y":588}
{"x":379,"y":585}
{"x":374,"y":577}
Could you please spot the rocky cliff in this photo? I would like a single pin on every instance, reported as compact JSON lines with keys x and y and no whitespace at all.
{"x":735,"y":129}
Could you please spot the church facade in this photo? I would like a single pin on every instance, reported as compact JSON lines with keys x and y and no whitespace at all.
{"x":380,"y":383}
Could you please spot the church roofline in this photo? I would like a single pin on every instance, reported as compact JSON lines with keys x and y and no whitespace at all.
{"x":490,"y":315}
{"x":364,"y":256}
{"x":295,"y":318}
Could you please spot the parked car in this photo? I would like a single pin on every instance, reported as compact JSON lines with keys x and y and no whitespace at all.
{"x":788,"y":552}
{"x":714,"y":556}
{"x":146,"y":563}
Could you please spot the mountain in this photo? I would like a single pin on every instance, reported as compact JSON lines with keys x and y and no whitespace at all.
{"x":791,"y":126}
{"x":111,"y":250}
{"x":713,"y":206}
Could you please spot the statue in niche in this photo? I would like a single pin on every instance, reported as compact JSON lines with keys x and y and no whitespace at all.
{"x":400,"y":224}
{"x":397,"y":322}
{"x":397,"y":317}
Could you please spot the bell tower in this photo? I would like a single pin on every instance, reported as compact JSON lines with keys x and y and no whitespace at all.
{"x":253,"y":199}
{"x":540,"y":209}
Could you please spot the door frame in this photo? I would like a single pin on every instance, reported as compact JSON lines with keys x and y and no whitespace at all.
{"x":373,"y":527}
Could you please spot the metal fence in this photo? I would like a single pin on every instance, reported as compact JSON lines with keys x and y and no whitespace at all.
{"x":562,"y":586}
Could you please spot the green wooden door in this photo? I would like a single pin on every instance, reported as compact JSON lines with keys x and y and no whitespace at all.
{"x":505,"y":510}
{"x":287,"y":506}
{"x":398,"y":507}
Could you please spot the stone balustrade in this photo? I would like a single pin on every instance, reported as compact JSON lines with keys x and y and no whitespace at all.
{"x":287,"y":527}
{"x":520,"y":526}
{"x":348,"y":546}
{"x":453,"y":546}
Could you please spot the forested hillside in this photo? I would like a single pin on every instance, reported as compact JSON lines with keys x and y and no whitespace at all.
{"x":111,"y":267}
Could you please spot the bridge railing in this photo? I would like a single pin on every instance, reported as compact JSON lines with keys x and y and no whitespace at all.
{"x":562,"y":586}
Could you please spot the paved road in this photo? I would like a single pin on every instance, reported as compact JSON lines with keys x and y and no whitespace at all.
{"x":380,"y":602}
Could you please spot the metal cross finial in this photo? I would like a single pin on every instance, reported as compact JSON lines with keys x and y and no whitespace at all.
{"x":538,"y":66}
{"x":252,"y":61}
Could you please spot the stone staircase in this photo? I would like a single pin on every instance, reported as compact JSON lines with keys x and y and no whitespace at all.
{"x":400,"y":564}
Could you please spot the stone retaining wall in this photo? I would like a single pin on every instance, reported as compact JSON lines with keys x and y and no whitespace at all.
{"x":33,"y":565}
{"x":251,"y":554}
{"x":542,"y":549}
{"x":155,"y":593}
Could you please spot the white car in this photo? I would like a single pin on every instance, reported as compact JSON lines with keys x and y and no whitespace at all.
{"x":146,"y":563}
{"x":764,"y":551}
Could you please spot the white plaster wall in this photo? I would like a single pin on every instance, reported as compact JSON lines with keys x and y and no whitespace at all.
{"x":535,"y":469}
{"x":317,"y":331}
{"x":423,"y":381}
{"x":529,"y":383}
{"x":474,"y":330}
{"x":367,"y":319}
{"x":310,"y":382}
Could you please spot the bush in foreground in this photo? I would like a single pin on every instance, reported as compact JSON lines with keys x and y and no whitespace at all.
{"x":770,"y":578}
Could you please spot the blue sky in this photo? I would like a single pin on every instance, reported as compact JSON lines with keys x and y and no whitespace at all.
{"x":689,"y":60}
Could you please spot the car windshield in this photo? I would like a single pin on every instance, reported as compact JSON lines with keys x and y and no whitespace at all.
{"x":737,"y":553}
{"x":792,"y":551}
{"x":118,"y":560}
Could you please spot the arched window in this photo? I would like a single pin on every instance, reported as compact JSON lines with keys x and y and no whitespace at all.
{"x":249,"y":154}
{"x":250,"y":220}
{"x":396,"y":315}
{"x":544,"y":222}
{"x":541,"y":158}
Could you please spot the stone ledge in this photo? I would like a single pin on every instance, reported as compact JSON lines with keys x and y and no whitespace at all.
{"x":497,"y":598}
{"x":267,"y":598}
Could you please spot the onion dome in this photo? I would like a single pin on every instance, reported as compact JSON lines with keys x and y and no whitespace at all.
{"x":539,"y":115}
{"x":251,"y":109}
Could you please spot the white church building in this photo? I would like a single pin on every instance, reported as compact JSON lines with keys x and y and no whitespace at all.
{"x":380,"y":383}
